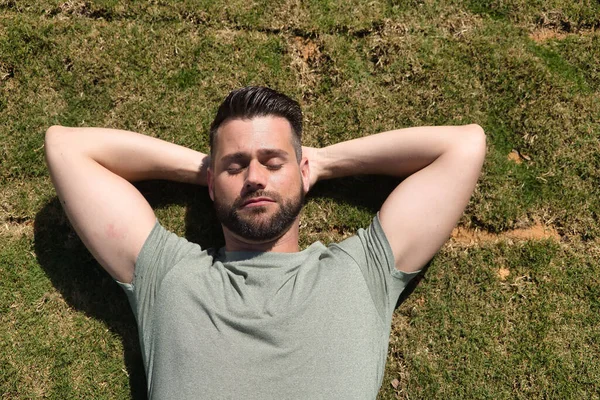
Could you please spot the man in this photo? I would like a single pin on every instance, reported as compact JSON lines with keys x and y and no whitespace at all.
{"x":259,"y":318}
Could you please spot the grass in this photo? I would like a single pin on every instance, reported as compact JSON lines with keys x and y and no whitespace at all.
{"x":527,"y":71}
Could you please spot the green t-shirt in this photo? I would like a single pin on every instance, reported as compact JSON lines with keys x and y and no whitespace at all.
{"x":247,"y":325}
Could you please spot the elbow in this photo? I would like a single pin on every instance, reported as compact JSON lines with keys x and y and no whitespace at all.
{"x":469,"y":146}
{"x":54,"y":140}
{"x":51,"y":135}
{"x":55,"y":135}
{"x":476,"y":135}
{"x":475,"y":141}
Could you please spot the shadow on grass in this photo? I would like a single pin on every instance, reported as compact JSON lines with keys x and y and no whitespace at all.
{"x":88,"y":288}
{"x":367,"y":192}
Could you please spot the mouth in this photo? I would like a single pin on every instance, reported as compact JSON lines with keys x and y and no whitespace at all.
{"x":257,"y":202}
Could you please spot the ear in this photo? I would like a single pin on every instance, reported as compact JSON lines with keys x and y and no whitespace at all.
{"x":211,"y":184}
{"x":305,"y":174}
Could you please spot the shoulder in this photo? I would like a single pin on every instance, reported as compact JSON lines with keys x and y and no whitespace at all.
{"x":164,"y":249}
{"x":367,"y":243}
{"x":162,"y":239}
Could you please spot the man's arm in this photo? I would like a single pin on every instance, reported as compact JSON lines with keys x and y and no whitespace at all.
{"x":442,"y":165}
{"x":92,"y":168}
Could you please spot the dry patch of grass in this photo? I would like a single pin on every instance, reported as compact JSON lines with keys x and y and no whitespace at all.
{"x":16,"y":228}
{"x":306,"y":58}
{"x":467,"y":236}
{"x":544,"y":34}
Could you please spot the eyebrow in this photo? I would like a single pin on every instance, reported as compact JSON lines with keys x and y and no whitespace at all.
{"x":273,"y":153}
{"x":240,"y":156}
{"x":234,"y":157}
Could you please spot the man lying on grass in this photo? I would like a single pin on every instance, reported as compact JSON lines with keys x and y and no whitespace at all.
{"x":259,"y":318}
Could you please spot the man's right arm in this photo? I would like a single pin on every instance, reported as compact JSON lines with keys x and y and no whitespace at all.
{"x":92,"y":170}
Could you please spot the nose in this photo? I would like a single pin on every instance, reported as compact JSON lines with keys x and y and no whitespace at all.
{"x":256,"y":177}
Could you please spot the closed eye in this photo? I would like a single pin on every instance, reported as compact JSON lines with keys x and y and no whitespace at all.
{"x":274,"y":167}
{"x":234,"y":169}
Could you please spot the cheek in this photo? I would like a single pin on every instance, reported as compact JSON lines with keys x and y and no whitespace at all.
{"x":286,"y":183}
{"x":226,"y":187}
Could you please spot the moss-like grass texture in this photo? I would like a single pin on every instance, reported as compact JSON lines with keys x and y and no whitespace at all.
{"x":499,"y":316}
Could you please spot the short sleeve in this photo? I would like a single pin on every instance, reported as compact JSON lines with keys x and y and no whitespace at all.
{"x":161,"y":251}
{"x":371,"y":251}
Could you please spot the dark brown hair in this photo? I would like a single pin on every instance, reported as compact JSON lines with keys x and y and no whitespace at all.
{"x":259,"y":101}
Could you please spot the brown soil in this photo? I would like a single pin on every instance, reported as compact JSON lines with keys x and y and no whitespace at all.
{"x":503,"y":273}
{"x":538,"y":231}
{"x":307,"y":48}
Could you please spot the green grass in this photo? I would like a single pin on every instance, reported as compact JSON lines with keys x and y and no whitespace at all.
{"x":357,"y":67}
{"x":529,"y":336}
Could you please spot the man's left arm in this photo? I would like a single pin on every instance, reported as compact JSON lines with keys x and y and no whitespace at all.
{"x":441,"y":166}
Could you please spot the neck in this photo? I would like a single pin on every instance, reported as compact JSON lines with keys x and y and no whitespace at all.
{"x":286,"y":243}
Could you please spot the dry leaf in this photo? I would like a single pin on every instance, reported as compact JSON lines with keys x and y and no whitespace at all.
{"x":514,"y":156}
{"x":503,"y":273}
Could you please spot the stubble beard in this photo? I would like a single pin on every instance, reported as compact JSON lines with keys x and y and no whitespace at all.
{"x":251,"y":223}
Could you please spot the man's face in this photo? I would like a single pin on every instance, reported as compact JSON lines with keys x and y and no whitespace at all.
{"x":255,"y":180}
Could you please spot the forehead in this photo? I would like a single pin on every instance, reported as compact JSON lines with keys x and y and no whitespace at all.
{"x":250,"y":135}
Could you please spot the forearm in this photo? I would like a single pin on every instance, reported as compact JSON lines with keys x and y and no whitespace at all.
{"x":440,"y":165}
{"x":132,"y":156}
{"x":399,"y":153}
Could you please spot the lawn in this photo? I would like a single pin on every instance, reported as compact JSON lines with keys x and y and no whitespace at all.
{"x":509,"y":308}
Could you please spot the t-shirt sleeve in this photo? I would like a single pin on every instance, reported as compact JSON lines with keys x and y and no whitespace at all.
{"x":161,"y":251}
{"x":373,"y":255}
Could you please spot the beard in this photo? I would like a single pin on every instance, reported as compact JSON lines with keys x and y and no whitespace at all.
{"x":252,"y":224}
